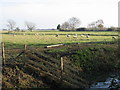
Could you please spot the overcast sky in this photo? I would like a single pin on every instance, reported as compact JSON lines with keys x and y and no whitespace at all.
{"x":50,"y":13}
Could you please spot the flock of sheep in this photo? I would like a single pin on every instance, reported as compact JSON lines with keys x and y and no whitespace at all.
{"x":74,"y":36}
{"x":87,"y":36}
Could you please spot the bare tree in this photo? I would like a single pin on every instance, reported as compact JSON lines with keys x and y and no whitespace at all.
{"x":96,"y":24}
{"x":74,"y":23}
{"x":11,"y":24}
{"x":30,"y":26}
{"x":93,"y":24}
{"x":17,"y":29}
{"x":100,"y":24}
{"x":100,"y":21}
{"x":71,"y":24}
{"x":65,"y":26}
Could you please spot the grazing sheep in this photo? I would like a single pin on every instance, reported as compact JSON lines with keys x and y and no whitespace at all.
{"x":87,"y":36}
{"x":23,"y":33}
{"x":67,"y":35}
{"x":75,"y":36}
{"x":113,"y":37}
{"x":81,"y":35}
{"x":56,"y":35}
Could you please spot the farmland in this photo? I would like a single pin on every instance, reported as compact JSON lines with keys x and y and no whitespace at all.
{"x":38,"y":67}
{"x":44,"y":38}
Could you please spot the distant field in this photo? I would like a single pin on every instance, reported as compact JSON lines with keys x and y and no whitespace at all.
{"x":43,"y":38}
{"x":63,"y":32}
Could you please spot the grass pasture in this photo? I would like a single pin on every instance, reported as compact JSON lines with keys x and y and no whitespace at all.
{"x":44,"y":38}
{"x":67,"y":32}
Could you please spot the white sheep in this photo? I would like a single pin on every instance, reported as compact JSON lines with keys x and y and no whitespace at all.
{"x":81,"y":35}
{"x":75,"y":36}
{"x":67,"y":35}
{"x":57,"y":35}
{"x":87,"y":36}
{"x":113,"y":37}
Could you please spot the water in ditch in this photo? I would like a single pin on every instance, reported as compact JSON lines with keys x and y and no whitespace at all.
{"x":111,"y":82}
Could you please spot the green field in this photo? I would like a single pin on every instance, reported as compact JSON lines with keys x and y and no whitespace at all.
{"x":44,"y":38}
{"x":64,"y":33}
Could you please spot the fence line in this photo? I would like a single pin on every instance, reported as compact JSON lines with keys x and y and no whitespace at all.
{"x":3,"y":52}
{"x":58,"y":71}
{"x":49,"y":66}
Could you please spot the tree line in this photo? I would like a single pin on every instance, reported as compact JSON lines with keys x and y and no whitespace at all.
{"x":73,"y":24}
{"x":11,"y":24}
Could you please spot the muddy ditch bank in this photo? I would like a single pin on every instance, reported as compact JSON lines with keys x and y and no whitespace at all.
{"x":95,"y":63}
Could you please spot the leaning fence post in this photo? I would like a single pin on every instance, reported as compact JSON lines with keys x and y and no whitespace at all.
{"x":3,"y":52}
{"x":62,"y":65}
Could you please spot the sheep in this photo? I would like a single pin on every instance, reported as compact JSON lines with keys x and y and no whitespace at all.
{"x":87,"y":36}
{"x":67,"y":35}
{"x":75,"y":36}
{"x":57,"y":35}
{"x":81,"y":35}
{"x":113,"y":37}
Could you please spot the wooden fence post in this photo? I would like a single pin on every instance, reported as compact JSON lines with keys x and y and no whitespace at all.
{"x":25,"y":46}
{"x":3,"y":52}
{"x":62,"y":65}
